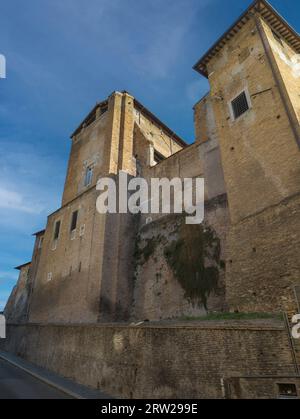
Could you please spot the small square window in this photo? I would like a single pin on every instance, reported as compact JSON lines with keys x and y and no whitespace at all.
{"x":240,"y":105}
{"x":287,"y":390}
{"x":88,"y":176}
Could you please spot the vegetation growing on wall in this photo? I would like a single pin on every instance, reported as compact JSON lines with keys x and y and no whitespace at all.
{"x":143,"y":253}
{"x":195,"y":260}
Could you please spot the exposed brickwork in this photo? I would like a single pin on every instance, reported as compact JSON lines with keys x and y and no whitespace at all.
{"x":160,"y":361}
{"x":263,"y":265}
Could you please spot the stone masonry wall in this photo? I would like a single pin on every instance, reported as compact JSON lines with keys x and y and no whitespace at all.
{"x":180,"y":361}
{"x":263,"y":264}
{"x":259,"y":153}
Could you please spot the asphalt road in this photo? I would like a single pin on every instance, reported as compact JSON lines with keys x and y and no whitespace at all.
{"x":17,"y":384}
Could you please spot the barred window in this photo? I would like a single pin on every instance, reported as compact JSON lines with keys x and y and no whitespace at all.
{"x":240,"y":105}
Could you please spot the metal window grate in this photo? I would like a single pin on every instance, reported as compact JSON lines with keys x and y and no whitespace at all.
{"x":240,"y":105}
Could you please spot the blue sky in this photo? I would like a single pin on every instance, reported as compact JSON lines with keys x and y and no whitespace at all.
{"x":65,"y":55}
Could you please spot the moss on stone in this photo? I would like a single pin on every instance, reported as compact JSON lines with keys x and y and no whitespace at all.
{"x":195,"y":260}
{"x":143,"y":254}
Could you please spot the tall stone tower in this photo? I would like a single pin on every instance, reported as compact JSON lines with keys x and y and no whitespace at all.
{"x":82,"y":265}
{"x":253,"y":112}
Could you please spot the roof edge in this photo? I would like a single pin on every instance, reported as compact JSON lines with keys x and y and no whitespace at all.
{"x":142,"y":108}
{"x":38,"y":233}
{"x":256,"y":5}
{"x":18,"y":268}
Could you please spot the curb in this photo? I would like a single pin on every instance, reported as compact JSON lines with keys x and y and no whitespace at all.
{"x":41,"y":378}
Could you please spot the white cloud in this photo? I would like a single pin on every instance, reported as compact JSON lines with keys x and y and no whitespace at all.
{"x":16,"y":201}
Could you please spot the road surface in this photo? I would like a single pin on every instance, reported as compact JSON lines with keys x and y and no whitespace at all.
{"x":17,"y":384}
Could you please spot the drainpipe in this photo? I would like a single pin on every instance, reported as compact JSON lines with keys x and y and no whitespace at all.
{"x":279,"y":82}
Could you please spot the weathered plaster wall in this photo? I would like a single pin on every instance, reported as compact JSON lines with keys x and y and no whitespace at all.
{"x":180,"y":361}
{"x":180,"y":269}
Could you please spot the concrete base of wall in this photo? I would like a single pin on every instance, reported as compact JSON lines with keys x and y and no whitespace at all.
{"x":188,"y":360}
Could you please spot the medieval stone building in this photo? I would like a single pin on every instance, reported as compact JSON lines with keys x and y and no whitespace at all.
{"x":93,"y":268}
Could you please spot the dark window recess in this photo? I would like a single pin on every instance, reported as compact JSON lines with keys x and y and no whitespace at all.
{"x":287,"y":390}
{"x":74,"y":221}
{"x":158,"y":157}
{"x":57,"y":230}
{"x":240,"y":105}
{"x":277,"y":37}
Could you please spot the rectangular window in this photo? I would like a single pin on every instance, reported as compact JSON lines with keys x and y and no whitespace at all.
{"x":56,"y":230}
{"x":240,"y":105}
{"x":287,"y":390}
{"x":88,"y":176}
{"x":74,"y":221}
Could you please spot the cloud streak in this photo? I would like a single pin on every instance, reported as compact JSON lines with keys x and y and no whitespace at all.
{"x":15,"y":201}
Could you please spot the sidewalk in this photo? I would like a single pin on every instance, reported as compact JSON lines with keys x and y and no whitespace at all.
{"x":67,"y":386}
